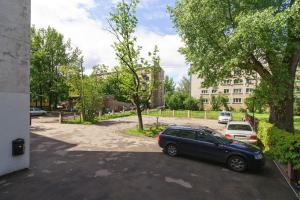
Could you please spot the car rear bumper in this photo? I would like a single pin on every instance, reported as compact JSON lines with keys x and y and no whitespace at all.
{"x":223,"y":121}
{"x":249,"y":141}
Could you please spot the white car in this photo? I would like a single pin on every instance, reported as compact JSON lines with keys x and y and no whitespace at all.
{"x":225,"y":117}
{"x":37,"y":112}
{"x":241,"y":131}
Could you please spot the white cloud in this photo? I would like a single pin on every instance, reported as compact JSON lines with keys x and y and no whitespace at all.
{"x":73,"y":20}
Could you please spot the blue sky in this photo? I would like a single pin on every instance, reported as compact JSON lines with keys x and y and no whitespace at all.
{"x":85,"y":23}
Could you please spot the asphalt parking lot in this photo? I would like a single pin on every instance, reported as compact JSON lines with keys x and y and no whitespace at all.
{"x":100,"y":162}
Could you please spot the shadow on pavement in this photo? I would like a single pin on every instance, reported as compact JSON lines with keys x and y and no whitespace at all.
{"x":59,"y":172}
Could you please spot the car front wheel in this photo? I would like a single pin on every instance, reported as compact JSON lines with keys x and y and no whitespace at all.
{"x":237,"y":163}
{"x":171,"y":150}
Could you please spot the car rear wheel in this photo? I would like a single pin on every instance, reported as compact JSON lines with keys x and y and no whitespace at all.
{"x":237,"y":163}
{"x":171,"y":150}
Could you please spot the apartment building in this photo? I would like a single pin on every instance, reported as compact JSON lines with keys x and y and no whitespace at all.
{"x":147,"y":74}
{"x":237,"y":89}
{"x":157,"y":98}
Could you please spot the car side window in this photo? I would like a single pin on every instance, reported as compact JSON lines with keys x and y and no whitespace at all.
{"x":188,"y":134}
{"x":173,"y":132}
{"x":205,"y":137}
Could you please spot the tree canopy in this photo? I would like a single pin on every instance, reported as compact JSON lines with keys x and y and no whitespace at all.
{"x":223,"y":36}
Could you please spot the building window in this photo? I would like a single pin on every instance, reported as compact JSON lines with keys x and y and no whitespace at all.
{"x":249,"y":90}
{"x":204,"y":91}
{"x":237,"y":91}
{"x":249,"y":81}
{"x":237,"y":100}
{"x":205,"y":100}
{"x":226,"y":82}
{"x":214,"y":91}
{"x":226,"y":91}
{"x":238,"y":81}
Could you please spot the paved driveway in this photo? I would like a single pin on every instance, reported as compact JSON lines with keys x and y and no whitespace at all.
{"x":100,"y":162}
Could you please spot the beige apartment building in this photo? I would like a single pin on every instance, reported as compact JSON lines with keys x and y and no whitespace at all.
{"x":157,"y":98}
{"x":237,"y":89}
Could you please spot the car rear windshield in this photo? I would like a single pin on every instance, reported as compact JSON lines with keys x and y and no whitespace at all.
{"x":242,"y":127}
{"x":225,"y":114}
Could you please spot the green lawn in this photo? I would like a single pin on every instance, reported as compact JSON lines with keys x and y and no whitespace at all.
{"x":193,"y":114}
{"x":149,"y":131}
{"x":265,"y":116}
{"x":77,"y":120}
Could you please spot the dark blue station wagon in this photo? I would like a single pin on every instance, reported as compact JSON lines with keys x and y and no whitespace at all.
{"x":209,"y":144}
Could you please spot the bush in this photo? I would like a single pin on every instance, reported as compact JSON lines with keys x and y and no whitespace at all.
{"x":219,"y":101}
{"x":175,"y":101}
{"x":280,"y":144}
{"x":215,"y":103}
{"x":190,"y":104}
{"x":201,"y":104}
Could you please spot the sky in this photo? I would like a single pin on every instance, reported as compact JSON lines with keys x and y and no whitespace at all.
{"x":84,"y":22}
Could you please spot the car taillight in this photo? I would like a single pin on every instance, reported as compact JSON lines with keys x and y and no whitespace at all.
{"x":253,"y":137}
{"x":158,"y":137}
{"x":228,"y":136}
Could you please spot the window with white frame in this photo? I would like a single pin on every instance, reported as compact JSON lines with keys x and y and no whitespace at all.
{"x":204,"y":92}
{"x":227,"y":82}
{"x":226,"y":91}
{"x":238,"y":81}
{"x":237,"y":91}
{"x":237,"y":100}
{"x":249,"y":81}
{"x":249,"y":90}
{"x":214,"y":91}
{"x":205,"y":100}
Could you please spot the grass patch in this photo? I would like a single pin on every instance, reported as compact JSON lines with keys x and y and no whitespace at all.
{"x":193,"y":114}
{"x":149,"y":131}
{"x":77,"y":120}
{"x":114,"y":116}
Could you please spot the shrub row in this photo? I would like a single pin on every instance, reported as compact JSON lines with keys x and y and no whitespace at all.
{"x":280,"y":144}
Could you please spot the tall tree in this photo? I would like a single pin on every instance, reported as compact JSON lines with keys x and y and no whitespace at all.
{"x":169,"y":85}
{"x":262,"y":36}
{"x":134,"y":70}
{"x":49,"y":52}
{"x":185,"y":86}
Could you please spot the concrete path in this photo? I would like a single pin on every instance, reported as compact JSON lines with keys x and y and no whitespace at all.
{"x":100,"y":162}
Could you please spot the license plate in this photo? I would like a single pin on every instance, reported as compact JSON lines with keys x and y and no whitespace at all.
{"x":240,"y":137}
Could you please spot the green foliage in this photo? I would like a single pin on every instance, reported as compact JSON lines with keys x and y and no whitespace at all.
{"x":176,"y":101}
{"x":297,"y":105}
{"x":149,"y":131}
{"x":219,"y":101}
{"x":191,"y":103}
{"x":244,"y":36}
{"x":77,"y":120}
{"x":185,"y":86}
{"x":283,"y":146}
{"x":115,"y":115}
{"x":215,"y":103}
{"x":49,"y":52}
{"x":201,"y":104}
{"x":91,"y":102}
{"x":254,"y":102}
{"x":169,"y":85}
{"x":134,"y":70}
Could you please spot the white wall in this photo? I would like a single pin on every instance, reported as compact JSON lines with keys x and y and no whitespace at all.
{"x":14,"y":82}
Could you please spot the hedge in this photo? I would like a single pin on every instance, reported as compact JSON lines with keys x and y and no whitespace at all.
{"x":281,"y":145}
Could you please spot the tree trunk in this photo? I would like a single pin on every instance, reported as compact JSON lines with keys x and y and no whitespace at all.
{"x":140,"y":117}
{"x":282,"y":116}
